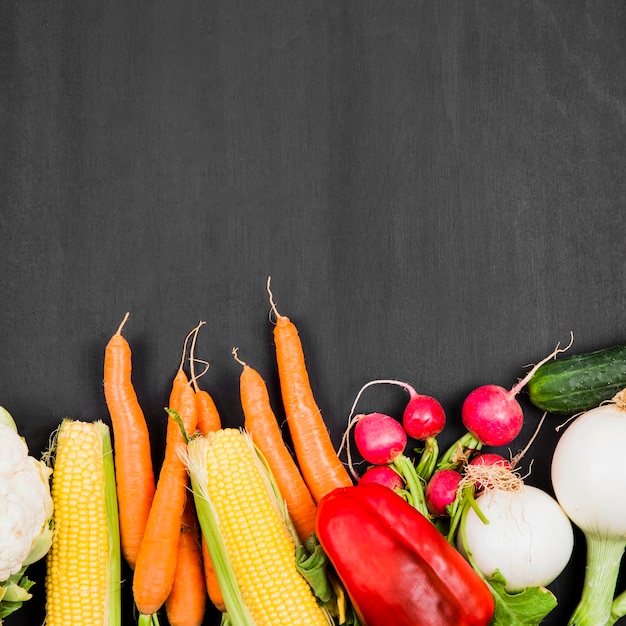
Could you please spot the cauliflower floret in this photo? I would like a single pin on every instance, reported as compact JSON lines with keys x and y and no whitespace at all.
{"x":25,"y":502}
{"x":13,"y":451}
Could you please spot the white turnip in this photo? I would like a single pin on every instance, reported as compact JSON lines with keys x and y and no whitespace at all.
{"x":528,"y":537}
{"x":589,"y":481}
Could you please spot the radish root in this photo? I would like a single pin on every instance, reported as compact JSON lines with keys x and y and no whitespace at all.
{"x":518,"y":457}
{"x":524,"y":381}
{"x":495,"y":476}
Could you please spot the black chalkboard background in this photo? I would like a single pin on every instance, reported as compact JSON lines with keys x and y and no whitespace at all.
{"x":435,"y":188}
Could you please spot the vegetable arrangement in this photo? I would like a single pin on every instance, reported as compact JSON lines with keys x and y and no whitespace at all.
{"x":234,"y":517}
{"x":476,"y":501}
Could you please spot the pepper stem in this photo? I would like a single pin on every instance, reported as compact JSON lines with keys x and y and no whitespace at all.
{"x":603,"y":563}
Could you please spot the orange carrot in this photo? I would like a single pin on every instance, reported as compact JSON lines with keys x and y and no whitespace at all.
{"x":208,"y":416}
{"x":260,"y":421}
{"x":133,"y":461}
{"x":319,"y":463}
{"x":208,"y":420}
{"x":156,"y":563}
{"x":186,"y":602}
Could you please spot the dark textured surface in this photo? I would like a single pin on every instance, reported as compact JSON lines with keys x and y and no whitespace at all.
{"x":436,"y":189}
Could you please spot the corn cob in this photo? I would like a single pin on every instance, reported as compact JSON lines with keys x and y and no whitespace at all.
{"x":83,"y":565}
{"x":252,"y":548}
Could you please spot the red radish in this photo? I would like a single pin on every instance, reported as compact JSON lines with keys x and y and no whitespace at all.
{"x":441,"y":491}
{"x":491,"y":458}
{"x":487,"y":469}
{"x":492,"y":415}
{"x":491,"y":412}
{"x":383,"y":475}
{"x":379,"y":438}
{"x":375,"y":449}
{"x":423,"y":417}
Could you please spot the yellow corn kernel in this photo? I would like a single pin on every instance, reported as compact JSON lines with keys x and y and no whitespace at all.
{"x":231,"y":488}
{"x":83,"y":565}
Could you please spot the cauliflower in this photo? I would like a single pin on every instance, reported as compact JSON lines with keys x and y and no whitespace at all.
{"x":25,"y":514}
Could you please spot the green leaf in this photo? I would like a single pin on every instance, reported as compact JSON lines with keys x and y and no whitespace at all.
{"x":618,"y":608}
{"x":528,"y":607}
{"x":311,"y":562}
{"x":15,"y":591}
{"x":7,"y":419}
{"x":316,"y":568}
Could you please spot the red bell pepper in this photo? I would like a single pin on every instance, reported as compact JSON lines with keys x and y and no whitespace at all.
{"x":395,"y":565}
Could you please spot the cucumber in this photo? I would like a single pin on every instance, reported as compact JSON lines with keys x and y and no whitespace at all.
{"x":579,"y":382}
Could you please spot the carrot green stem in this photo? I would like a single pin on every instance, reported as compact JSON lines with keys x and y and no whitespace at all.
{"x":603,"y":562}
{"x":178,"y":419}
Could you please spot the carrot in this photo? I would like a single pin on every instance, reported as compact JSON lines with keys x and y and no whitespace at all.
{"x":260,"y":422}
{"x":319,"y":463}
{"x":156,"y":563}
{"x":208,"y":416}
{"x":133,"y":461}
{"x":186,"y":602}
{"x":208,"y":420}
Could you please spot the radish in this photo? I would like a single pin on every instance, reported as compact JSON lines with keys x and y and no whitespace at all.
{"x":474,"y":471}
{"x":379,"y":438}
{"x":492,"y":414}
{"x":383,"y":475}
{"x":423,"y":416}
{"x":589,"y":481}
{"x":441,"y":491}
{"x":487,"y":459}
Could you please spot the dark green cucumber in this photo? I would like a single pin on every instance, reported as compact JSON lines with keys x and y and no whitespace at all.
{"x":579,"y":382}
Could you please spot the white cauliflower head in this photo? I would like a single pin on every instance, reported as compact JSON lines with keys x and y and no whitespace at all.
{"x":25,"y":505}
